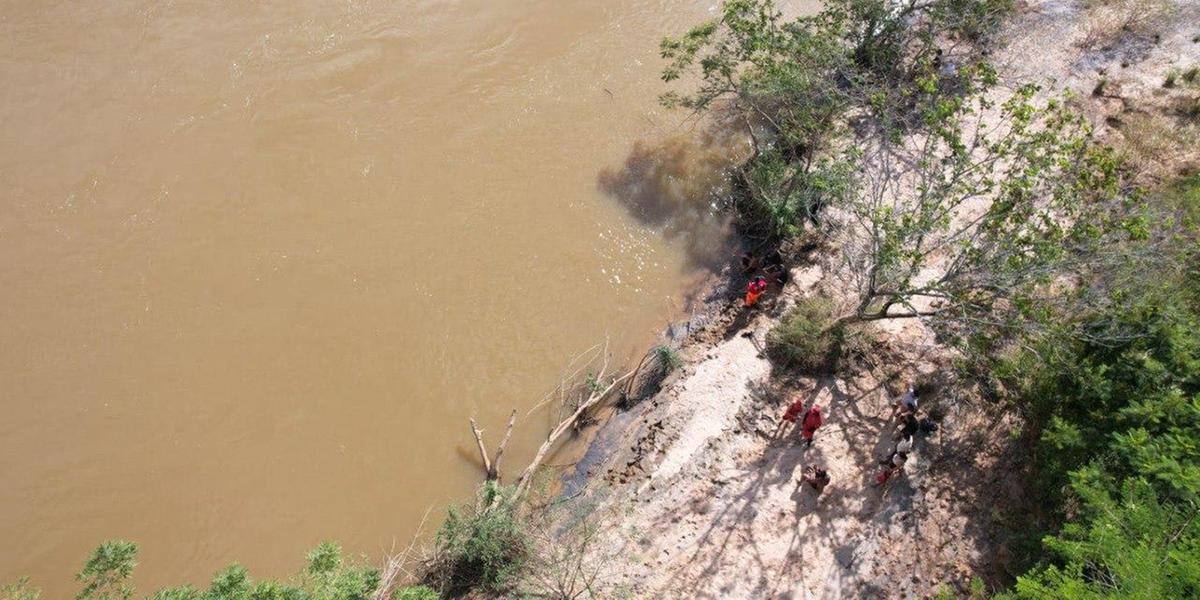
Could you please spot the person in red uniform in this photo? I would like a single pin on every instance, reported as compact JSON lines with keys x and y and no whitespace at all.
{"x":812,"y":421}
{"x":754,"y":289}
{"x":790,"y":416}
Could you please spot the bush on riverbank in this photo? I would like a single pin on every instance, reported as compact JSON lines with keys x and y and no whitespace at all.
{"x":106,"y":575}
{"x":482,"y":546}
{"x":808,"y":338}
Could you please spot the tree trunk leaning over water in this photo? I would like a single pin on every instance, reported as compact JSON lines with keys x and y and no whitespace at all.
{"x":566,"y":425}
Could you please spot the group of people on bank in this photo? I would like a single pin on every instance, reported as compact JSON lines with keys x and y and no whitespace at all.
{"x":906,"y":425}
{"x":767,"y":269}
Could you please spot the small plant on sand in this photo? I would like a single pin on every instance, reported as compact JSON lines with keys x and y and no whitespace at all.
{"x":592,"y":383}
{"x":809,"y":339}
{"x":668,"y":357}
{"x":1191,"y":75}
{"x":1171,"y":79}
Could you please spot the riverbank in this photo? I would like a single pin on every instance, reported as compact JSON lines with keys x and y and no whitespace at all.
{"x":693,"y":494}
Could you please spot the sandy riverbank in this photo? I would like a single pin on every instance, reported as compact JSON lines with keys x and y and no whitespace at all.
{"x":693,"y":497}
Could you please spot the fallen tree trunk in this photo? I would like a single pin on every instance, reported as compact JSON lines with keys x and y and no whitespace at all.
{"x":563,"y":427}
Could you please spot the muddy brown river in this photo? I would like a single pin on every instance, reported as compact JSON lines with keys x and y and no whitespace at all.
{"x":259,"y":261}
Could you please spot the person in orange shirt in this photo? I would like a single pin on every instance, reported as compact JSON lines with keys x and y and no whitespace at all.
{"x":754,"y":289}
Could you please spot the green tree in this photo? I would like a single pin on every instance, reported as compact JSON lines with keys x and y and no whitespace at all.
{"x":791,"y":84}
{"x":1126,"y":545}
{"x":971,"y":221}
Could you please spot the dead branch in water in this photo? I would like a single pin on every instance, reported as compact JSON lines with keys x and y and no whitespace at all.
{"x":566,"y":425}
{"x":492,"y":467}
{"x":483,"y":455}
{"x":594,"y":397}
{"x":503,"y":443}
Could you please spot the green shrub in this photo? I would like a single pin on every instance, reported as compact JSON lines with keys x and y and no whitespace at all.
{"x":480,"y":547}
{"x":1115,"y":423}
{"x":19,"y":590}
{"x":106,"y":573}
{"x":809,"y":338}
{"x":668,"y":357}
{"x":1129,"y":544}
{"x":416,"y":592}
{"x":779,"y":198}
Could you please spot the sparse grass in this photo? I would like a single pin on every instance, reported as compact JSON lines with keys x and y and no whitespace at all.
{"x":1192,"y":74}
{"x":1188,"y":107}
{"x":808,"y":339}
{"x":1108,"y":21}
{"x":1151,"y":143}
{"x":1171,"y":79}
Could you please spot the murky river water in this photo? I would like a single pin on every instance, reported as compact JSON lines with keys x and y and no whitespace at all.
{"x":259,"y":261}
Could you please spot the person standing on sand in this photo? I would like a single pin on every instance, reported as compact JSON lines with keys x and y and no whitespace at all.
{"x":790,"y":415}
{"x":815,"y":476}
{"x":909,"y":425}
{"x":754,"y":289}
{"x":907,"y":404}
{"x":812,"y":421}
{"x":894,"y":465}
